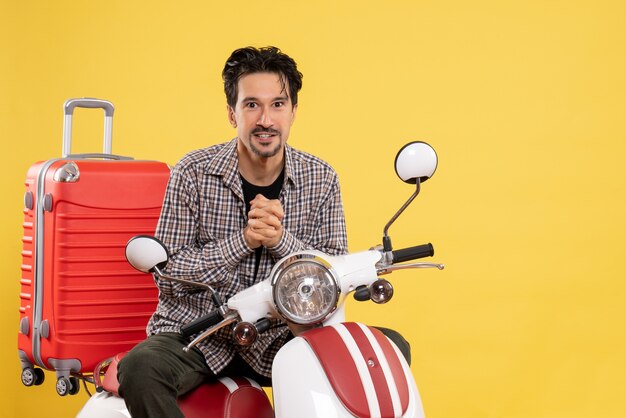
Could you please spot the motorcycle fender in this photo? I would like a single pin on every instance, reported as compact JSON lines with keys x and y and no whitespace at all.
{"x":301,"y":387}
{"x":104,"y":405}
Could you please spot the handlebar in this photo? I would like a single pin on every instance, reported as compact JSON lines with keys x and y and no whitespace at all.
{"x":412,"y":253}
{"x":202,"y":323}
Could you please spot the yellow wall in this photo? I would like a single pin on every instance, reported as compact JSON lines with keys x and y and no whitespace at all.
{"x":524,"y":102}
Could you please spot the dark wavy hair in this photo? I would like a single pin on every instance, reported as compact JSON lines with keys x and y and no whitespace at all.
{"x":251,"y":60}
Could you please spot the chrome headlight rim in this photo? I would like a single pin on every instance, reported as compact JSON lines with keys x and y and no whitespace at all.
{"x":299,"y":258}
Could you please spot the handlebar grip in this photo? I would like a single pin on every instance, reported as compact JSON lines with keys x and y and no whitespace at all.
{"x":413,"y":253}
{"x":200,"y":324}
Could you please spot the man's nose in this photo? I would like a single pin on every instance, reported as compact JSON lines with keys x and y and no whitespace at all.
{"x":266,"y":119}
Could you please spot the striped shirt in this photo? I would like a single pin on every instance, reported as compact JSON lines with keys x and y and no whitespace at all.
{"x":202,"y":223}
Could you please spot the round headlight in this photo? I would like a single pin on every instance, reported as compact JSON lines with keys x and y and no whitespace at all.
{"x":305,"y":289}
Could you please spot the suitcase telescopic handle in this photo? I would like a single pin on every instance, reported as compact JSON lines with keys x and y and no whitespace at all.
{"x":89,"y":103}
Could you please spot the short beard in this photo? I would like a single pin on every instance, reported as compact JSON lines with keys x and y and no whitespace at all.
{"x":265,"y":154}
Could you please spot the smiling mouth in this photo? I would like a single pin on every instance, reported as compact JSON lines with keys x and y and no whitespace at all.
{"x":265,"y":137}
{"x":265,"y":143}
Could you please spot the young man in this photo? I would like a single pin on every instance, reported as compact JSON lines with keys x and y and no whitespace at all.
{"x":230,"y":212}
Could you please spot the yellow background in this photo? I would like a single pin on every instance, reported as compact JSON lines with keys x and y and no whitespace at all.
{"x":523,"y":101}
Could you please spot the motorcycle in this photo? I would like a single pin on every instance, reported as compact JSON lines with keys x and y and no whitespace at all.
{"x":331,"y":368}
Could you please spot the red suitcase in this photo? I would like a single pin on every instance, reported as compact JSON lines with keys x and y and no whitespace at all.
{"x":81,"y":302}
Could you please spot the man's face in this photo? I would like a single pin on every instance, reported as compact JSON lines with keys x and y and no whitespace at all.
{"x":263,"y":114}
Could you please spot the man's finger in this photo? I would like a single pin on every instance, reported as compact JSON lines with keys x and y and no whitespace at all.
{"x":270,"y":206}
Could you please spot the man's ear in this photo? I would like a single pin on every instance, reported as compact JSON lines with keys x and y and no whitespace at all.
{"x":231,"y":116}
{"x":293,"y":113}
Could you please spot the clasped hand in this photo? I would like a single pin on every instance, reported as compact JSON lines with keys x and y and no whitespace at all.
{"x":264,"y":222}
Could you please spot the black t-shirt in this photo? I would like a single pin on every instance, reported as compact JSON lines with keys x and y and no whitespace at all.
{"x":270,"y":192}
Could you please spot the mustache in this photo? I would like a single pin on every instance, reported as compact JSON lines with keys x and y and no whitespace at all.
{"x":261,"y":130}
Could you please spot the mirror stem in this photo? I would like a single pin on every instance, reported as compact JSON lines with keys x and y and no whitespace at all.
{"x":386,"y":240}
{"x":216,"y":298}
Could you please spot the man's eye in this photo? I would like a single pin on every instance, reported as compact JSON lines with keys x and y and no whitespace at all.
{"x":251,"y":105}
{"x":279,"y":104}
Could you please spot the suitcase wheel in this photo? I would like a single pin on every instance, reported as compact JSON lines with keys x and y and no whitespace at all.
{"x":67,"y":386}
{"x":32,"y":376}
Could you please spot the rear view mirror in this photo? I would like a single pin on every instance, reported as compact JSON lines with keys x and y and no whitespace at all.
{"x":146,"y":254}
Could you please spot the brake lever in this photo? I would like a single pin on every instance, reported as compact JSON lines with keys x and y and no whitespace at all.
{"x":390,"y":268}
